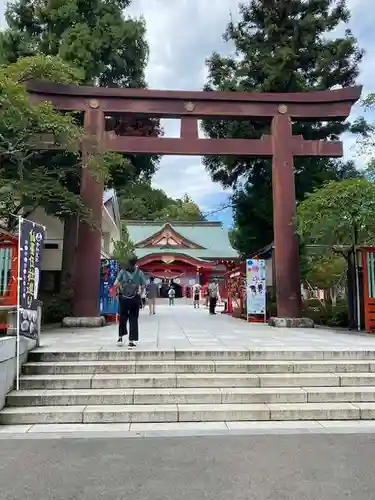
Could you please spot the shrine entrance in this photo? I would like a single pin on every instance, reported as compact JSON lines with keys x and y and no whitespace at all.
{"x":280,"y":145}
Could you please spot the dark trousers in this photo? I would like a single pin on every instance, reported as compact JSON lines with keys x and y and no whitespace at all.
{"x":129,"y":311}
{"x":213,"y":301}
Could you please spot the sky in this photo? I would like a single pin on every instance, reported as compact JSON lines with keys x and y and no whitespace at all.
{"x":182,"y":34}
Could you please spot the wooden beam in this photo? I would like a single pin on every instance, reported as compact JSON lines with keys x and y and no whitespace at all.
{"x":188,"y":147}
{"x":351,"y":94}
{"x":300,"y":147}
{"x":324,"y":105}
{"x":218,"y":110}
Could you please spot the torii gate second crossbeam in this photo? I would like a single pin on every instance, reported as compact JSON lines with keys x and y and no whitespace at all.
{"x":281,"y":145}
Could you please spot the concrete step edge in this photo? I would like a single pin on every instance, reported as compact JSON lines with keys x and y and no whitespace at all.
{"x":191,"y":390}
{"x":211,"y":354}
{"x":181,"y":407}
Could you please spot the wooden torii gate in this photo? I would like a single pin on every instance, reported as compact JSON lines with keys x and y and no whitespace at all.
{"x":281,"y":145}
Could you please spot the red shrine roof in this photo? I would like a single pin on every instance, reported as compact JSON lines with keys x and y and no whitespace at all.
{"x":198,"y":240}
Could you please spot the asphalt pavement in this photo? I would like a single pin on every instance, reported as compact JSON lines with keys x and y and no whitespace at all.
{"x":276,"y":467}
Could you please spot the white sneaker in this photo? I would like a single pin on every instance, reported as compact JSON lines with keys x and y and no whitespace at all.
{"x":120,"y":342}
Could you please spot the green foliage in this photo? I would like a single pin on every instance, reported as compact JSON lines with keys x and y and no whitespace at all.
{"x":24,"y":169}
{"x":280,"y":47}
{"x":123,"y":250}
{"x":184,"y":209}
{"x":366,"y":141}
{"x":140,"y":201}
{"x":57,"y":306}
{"x":340,"y":213}
{"x":40,"y":67}
{"x":334,"y":316}
{"x":93,"y":36}
{"x":325,"y":271}
{"x":108,"y":49}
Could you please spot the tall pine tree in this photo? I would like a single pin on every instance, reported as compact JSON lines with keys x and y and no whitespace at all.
{"x":280,"y":46}
{"x":110,"y":49}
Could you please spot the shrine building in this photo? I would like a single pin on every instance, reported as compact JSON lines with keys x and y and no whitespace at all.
{"x":184,"y":253}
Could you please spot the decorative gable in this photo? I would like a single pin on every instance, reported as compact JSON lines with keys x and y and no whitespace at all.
{"x":167,"y":237}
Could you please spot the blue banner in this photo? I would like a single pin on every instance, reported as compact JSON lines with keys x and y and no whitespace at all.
{"x":31,"y":240}
{"x":108,"y":299}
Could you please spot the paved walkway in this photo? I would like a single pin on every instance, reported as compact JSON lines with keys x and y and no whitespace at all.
{"x":216,"y":468}
{"x":182,"y":327}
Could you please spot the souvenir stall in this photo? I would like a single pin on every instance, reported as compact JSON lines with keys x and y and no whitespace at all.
{"x":235,"y":284}
{"x":8,"y":276}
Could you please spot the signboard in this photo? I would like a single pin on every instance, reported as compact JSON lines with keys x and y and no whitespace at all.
{"x":256,"y":287}
{"x":31,"y":238}
{"x":108,"y":299}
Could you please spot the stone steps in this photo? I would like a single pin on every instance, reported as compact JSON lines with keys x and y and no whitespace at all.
{"x":121,"y":354}
{"x":185,"y":380}
{"x":217,"y":366}
{"x":120,"y":386}
{"x":230,"y":395}
{"x":186,"y":413}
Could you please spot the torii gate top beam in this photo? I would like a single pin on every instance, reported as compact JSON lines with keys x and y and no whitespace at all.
{"x":316,"y":105}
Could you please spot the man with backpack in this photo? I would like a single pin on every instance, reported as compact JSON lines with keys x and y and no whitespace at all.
{"x":129,"y":283}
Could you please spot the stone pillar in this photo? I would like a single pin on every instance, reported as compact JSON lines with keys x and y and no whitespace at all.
{"x":288,"y":289}
{"x":87,"y":271}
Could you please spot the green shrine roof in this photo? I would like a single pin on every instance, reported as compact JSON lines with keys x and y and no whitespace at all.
{"x":212,"y":237}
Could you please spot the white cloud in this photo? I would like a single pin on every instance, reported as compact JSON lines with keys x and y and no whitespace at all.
{"x":182,"y":37}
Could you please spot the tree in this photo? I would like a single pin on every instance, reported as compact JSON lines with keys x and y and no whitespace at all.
{"x":140,"y":201}
{"x":109,"y":49}
{"x":123,"y":250}
{"x":184,"y":209}
{"x":366,"y":142}
{"x":280,"y":47}
{"x":325,"y":270}
{"x":339,"y":214}
{"x":27,"y":180}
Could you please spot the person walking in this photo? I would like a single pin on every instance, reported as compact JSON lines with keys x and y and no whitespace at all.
{"x":213,"y":292}
{"x":171,"y":295}
{"x":143,"y":298}
{"x":152,"y":293}
{"x":129,"y":284}
{"x":196,"y":297}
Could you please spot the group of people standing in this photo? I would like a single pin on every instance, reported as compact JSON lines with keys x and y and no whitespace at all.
{"x":133,"y":292}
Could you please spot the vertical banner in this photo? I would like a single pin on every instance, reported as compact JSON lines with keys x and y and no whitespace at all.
{"x":107,"y":299}
{"x":31,"y":237}
{"x":256,"y":287}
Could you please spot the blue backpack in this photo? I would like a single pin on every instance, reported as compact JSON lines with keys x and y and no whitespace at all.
{"x":129,"y":283}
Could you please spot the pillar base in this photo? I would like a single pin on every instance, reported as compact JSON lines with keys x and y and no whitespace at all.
{"x":83,"y":322}
{"x":291,"y":322}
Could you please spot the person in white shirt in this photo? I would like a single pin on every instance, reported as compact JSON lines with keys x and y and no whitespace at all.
{"x":143,"y":297}
{"x":171,"y":295}
{"x":196,"y":295}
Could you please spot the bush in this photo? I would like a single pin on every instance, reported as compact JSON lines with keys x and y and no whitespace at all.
{"x":56,"y":307}
{"x":327,"y":314}
{"x":271,"y":303}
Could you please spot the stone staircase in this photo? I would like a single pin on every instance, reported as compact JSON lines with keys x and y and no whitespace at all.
{"x":121,"y":386}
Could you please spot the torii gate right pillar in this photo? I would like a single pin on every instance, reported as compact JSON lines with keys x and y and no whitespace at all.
{"x":287,"y":279}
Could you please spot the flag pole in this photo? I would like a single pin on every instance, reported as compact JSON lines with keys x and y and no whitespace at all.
{"x":18,"y":306}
